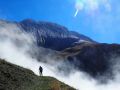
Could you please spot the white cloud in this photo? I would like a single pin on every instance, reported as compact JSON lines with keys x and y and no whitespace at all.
{"x":90,"y":6}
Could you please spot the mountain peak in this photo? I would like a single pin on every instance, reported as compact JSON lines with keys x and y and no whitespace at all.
{"x":50,"y":35}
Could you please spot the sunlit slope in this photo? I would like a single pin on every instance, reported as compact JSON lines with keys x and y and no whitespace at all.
{"x":13,"y":77}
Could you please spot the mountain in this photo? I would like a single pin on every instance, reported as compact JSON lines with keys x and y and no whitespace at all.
{"x":74,"y":50}
{"x":51,"y":35}
{"x":13,"y":77}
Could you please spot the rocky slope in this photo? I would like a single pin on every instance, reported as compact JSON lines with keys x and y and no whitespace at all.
{"x":13,"y":77}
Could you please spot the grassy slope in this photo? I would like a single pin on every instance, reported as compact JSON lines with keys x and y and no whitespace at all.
{"x":13,"y":77}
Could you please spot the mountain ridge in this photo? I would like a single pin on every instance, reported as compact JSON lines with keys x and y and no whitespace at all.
{"x":50,"y":35}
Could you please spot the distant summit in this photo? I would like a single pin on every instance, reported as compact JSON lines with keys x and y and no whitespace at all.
{"x":51,"y":35}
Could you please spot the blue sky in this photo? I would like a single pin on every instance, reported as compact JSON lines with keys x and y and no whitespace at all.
{"x":98,"y":20}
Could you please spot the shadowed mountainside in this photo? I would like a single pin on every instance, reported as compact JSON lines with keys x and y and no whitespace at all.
{"x":97,"y":60}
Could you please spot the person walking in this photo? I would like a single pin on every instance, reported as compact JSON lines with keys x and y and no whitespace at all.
{"x":41,"y":71}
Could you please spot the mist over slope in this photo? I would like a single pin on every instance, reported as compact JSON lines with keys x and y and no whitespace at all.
{"x":13,"y":77}
{"x":68,"y":56}
{"x":97,"y":60}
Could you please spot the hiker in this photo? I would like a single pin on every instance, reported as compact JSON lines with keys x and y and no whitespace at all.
{"x":40,"y":71}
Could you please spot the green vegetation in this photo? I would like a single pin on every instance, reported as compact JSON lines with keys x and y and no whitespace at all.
{"x":13,"y":77}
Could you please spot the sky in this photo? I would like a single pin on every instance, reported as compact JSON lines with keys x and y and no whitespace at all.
{"x":97,"y":19}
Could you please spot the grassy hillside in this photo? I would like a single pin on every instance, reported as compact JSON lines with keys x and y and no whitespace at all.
{"x":13,"y":77}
